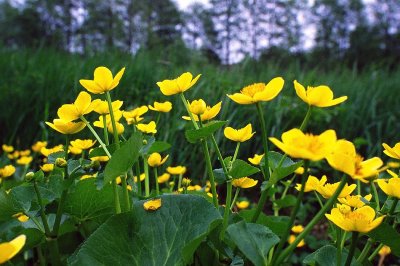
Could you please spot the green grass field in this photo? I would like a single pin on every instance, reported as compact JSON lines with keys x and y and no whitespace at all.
{"x":36,"y":82}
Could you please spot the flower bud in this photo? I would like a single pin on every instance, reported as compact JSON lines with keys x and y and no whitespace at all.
{"x":61,"y":162}
{"x":29,"y":176}
{"x":198,"y":107}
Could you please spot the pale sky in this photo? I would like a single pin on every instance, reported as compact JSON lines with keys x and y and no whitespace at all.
{"x":183,"y":4}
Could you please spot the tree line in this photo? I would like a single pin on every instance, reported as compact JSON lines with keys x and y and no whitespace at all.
{"x":225,"y":31}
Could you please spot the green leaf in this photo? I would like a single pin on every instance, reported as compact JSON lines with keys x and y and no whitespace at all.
{"x":277,"y":224}
{"x":123,"y":158}
{"x":159,"y":146}
{"x":253,"y":240}
{"x":193,"y":135}
{"x":326,"y":256}
{"x":286,"y":168}
{"x":287,"y":201}
{"x":219,"y":176}
{"x":387,"y":235}
{"x":7,"y":206}
{"x":53,"y":156}
{"x":85,"y":202}
{"x":99,"y":151}
{"x":167,"y":236}
{"x":242,"y":169}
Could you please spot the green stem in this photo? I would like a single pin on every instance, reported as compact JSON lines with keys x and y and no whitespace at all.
{"x":156,"y":180}
{"x":306,"y":119}
{"x":138,"y":182}
{"x":114,"y":125}
{"x":260,"y":205}
{"x":117,"y":204}
{"x":328,"y":204}
{"x":210,"y":172}
{"x":96,"y":136}
{"x":358,"y":187}
{"x":188,"y":110}
{"x":339,"y":247}
{"x":126,"y":192}
{"x":227,"y":207}
{"x":365,"y":251}
{"x":147,"y":178}
{"x":42,"y":213}
{"x":318,"y":199}
{"x":376,"y":197}
{"x":235,"y":197}
{"x":264,"y":140}
{"x":236,"y":152}
{"x":41,"y":258}
{"x":376,"y":251}
{"x":294,"y":211}
{"x":180,"y":181}
{"x":36,"y":222}
{"x":354,"y":239}
{"x":105,"y":132}
{"x":54,"y":251}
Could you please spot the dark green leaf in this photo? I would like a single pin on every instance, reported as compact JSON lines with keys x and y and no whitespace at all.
{"x":286,"y":166}
{"x":277,"y":224}
{"x":287,"y":201}
{"x":253,"y":240}
{"x":242,"y":169}
{"x":53,"y":156}
{"x":326,"y":256}
{"x":193,"y":135}
{"x":8,"y":207}
{"x":167,"y":236}
{"x":159,"y":146}
{"x":99,"y":151}
{"x":123,"y":158}
{"x":387,"y":235}
{"x":86,"y":202}
{"x":219,"y":176}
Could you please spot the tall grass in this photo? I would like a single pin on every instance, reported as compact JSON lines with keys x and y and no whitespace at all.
{"x":34,"y":83}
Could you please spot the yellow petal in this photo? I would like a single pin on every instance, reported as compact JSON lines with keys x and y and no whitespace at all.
{"x":241,"y":98}
{"x":9,"y":249}
{"x":91,"y":86}
{"x":319,"y":96}
{"x":300,"y":91}
{"x":103,"y":77}
{"x":68,"y":112}
{"x":168,"y":87}
{"x":117,"y":78}
{"x":82,"y":103}
{"x":152,"y":205}
{"x":271,"y":90}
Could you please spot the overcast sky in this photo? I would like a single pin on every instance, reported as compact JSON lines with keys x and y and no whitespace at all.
{"x":185,"y":3}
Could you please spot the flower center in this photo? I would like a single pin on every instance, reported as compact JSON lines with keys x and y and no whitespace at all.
{"x":253,"y":89}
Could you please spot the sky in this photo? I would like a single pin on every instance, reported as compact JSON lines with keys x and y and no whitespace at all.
{"x":183,"y":4}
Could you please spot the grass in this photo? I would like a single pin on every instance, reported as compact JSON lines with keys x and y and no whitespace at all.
{"x":34,"y":83}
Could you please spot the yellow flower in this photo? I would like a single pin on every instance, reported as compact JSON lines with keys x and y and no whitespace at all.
{"x":7,"y":171}
{"x":103,"y":80}
{"x":66,"y":127}
{"x":297,"y":229}
{"x":141,"y":177}
{"x":312,"y":183}
{"x":355,"y":201}
{"x":25,"y":160}
{"x":344,"y":158}
{"x":21,"y":217}
{"x":299,"y":171}
{"x":74,"y":150}
{"x":393,"y":152}
{"x":292,"y":238}
{"x":163,"y":178}
{"x":147,"y":128}
{"x":186,"y":182}
{"x":239,"y":135}
{"x":360,"y":220}
{"x":84,"y":144}
{"x":152,"y":205}
{"x":178,"y":85}
{"x":48,"y":167}
{"x":101,"y":107}
{"x":117,"y":116}
{"x":14,"y":155}
{"x":384,"y":251}
{"x":82,"y":106}
{"x":87,"y":177}
{"x":391,"y":186}
{"x":306,"y":146}
{"x":258,"y":92}
{"x":7,"y":148}
{"x":198,"y":107}
{"x":25,"y":153}
{"x":194,"y":188}
{"x":155,"y":160}
{"x":208,"y":114}
{"x":256,"y":160}
{"x":244,"y":204}
{"x":9,"y":249}
{"x":393,"y":164}
{"x":321,"y":96}
{"x":244,"y":182}
{"x":39,"y":145}
{"x":134,"y":116}
{"x":100,"y":158}
{"x":327,"y":190}
{"x":47,"y":151}
{"x":164,"y":107}
{"x":177,"y":170}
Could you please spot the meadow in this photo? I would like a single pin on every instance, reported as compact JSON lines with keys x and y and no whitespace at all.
{"x":208,"y":196}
